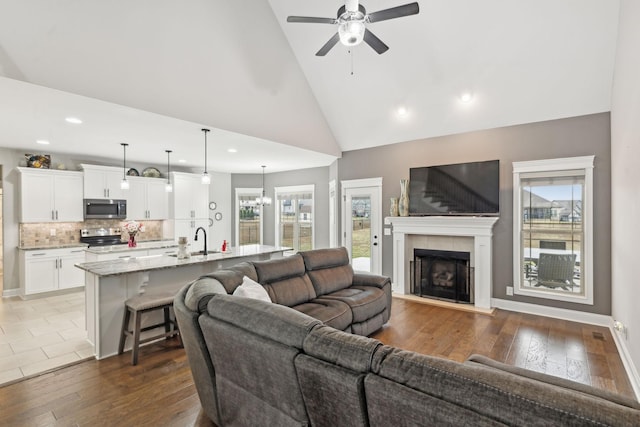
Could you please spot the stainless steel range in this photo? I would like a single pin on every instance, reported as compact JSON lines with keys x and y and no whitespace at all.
{"x":101,"y":236}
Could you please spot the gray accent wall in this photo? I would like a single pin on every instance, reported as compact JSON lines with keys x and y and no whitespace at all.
{"x":571,"y":137}
{"x":319,"y":177}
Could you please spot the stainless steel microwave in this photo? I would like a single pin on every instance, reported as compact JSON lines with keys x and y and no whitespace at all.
{"x":105,"y":209}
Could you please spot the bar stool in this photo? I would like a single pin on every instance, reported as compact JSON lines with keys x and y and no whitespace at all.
{"x":142,"y":304}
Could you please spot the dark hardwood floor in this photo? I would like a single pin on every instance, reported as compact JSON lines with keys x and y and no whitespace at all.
{"x":160,"y":391}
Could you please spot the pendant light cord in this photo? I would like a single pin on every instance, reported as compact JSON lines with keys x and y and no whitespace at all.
{"x":205,"y":149}
{"x":124,"y":161}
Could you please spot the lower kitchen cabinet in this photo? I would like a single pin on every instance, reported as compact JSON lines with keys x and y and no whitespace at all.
{"x":49,"y":270}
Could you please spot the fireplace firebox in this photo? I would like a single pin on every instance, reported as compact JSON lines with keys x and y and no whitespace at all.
{"x":443,"y":275}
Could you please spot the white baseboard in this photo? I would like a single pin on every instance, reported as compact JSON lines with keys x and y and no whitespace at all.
{"x":10,"y":293}
{"x":582,"y":317}
{"x":556,"y":313}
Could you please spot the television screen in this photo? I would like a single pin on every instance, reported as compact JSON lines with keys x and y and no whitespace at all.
{"x":459,"y":189}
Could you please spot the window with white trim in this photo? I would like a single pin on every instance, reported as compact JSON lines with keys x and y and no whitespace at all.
{"x":248,"y":217}
{"x":553,"y":223}
{"x":294,"y":212}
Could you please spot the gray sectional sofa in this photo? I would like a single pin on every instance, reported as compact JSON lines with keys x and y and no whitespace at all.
{"x":259,"y":363}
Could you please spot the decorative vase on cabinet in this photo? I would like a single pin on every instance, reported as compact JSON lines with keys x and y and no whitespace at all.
{"x":403,"y":205}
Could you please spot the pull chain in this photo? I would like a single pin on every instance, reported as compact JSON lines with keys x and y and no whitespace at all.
{"x":351,"y":58}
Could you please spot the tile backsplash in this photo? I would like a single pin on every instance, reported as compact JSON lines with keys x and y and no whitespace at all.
{"x":67,"y":233}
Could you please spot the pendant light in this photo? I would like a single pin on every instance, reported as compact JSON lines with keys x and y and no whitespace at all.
{"x":124,"y":184}
{"x":263,"y":200}
{"x":168,"y":188}
{"x":206,"y":179}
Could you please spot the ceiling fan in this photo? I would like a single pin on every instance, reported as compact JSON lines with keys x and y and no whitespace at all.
{"x":352,"y":19}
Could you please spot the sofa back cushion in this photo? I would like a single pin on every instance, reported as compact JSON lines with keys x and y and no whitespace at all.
{"x":485,"y":391}
{"x":285,"y":280}
{"x":328,"y":269}
{"x":253,"y":345}
{"x":232,"y":277}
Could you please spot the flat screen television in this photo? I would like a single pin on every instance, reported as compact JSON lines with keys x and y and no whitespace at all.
{"x":458,"y":189}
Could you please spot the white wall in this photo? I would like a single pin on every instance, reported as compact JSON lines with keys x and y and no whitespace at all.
{"x":10,"y":212}
{"x":625,"y":177}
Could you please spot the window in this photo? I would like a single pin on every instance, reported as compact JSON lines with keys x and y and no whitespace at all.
{"x":248,"y":217}
{"x":294,"y":217}
{"x":553,"y":229}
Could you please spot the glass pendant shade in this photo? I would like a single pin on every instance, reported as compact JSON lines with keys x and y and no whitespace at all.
{"x":205,"y":178}
{"x":124,"y":184}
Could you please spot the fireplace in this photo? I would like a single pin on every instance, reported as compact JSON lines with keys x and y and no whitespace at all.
{"x":443,"y":275}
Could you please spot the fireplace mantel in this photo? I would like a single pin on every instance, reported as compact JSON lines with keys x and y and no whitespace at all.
{"x":478,"y":228}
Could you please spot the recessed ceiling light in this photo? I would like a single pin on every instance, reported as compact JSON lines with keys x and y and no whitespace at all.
{"x":232,"y":150}
{"x":466,"y":97}
{"x":402,"y":111}
{"x":74,"y":120}
{"x":42,"y":142}
{"x":182,"y":161}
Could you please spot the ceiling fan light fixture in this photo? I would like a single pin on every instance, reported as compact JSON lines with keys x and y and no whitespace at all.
{"x":351,"y":32}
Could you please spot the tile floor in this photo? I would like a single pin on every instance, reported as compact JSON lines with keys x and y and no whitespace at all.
{"x":41,"y":334}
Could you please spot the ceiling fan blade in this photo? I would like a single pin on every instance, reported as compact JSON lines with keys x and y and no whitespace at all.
{"x":373,"y":41}
{"x":394,"y":12}
{"x":328,"y":45}
{"x":311,"y":20}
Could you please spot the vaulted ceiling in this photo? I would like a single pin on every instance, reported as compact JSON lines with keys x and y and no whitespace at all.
{"x":153,"y":72}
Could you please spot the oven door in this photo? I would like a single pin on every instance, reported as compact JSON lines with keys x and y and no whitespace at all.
{"x":105,"y":209}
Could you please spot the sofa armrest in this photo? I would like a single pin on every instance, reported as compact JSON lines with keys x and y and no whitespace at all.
{"x":366,"y":279}
{"x":550,"y":379}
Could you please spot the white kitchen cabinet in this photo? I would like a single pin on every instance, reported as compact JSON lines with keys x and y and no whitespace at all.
{"x":50,"y":270}
{"x":50,"y":195}
{"x":190,"y":198}
{"x":103,"y":182}
{"x":147,"y":198}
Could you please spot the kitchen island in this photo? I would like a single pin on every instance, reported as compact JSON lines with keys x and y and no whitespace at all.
{"x":110,"y":283}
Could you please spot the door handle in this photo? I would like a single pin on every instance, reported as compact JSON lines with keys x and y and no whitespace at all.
{"x":375,"y":243}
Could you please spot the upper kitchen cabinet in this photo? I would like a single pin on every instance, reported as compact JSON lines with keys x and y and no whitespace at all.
{"x":147,"y":198}
{"x":50,"y":195}
{"x":103,"y":182}
{"x":190,"y":198}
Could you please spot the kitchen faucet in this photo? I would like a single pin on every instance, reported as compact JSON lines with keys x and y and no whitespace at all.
{"x":205,"y":239}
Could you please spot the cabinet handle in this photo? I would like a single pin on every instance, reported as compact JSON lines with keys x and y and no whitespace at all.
{"x":108,"y":191}
{"x":78,"y":251}
{"x":56,"y":214}
{"x":60,"y":262}
{"x":56,"y":264}
{"x":53,"y":215}
{"x":44,"y":253}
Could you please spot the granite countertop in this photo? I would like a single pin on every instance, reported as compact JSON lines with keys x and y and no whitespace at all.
{"x":60,"y":246}
{"x":156,"y":262}
{"x":141,"y":246}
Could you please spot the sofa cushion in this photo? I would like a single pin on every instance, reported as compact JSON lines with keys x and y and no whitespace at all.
{"x":350,"y":351}
{"x":365,"y":301}
{"x":200,"y":292}
{"x":318,"y":259}
{"x":550,"y":379}
{"x":331,"y":312}
{"x":251,"y":289}
{"x":232,"y":277}
{"x":285,"y":280}
{"x":278,"y":269}
{"x":271,"y":321}
{"x":328,"y":269}
{"x":478,"y":388}
{"x":253,"y":346}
